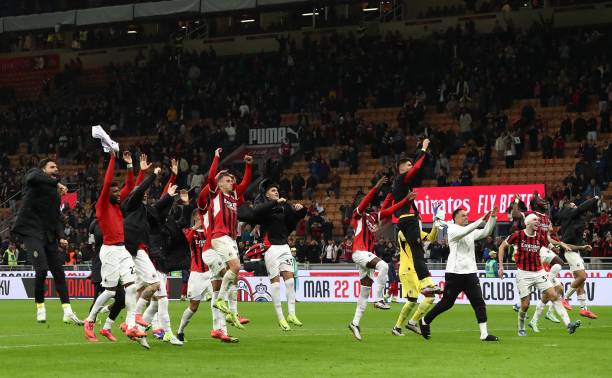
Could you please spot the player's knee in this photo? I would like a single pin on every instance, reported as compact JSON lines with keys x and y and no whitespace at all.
{"x":366,"y":281}
{"x":194,"y":305}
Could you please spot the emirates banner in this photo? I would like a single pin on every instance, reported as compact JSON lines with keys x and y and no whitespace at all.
{"x":313,"y":286}
{"x":477,"y":200}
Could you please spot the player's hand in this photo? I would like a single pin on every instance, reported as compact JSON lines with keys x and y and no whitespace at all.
{"x":500,"y":272}
{"x":411,"y":196}
{"x":425,"y":144}
{"x":127,"y":157}
{"x":157,"y":171}
{"x":174,"y":167}
{"x":144,"y":164}
{"x":486,"y":217}
{"x":63,"y":243}
{"x":383,"y":180}
{"x":218,"y":152}
{"x":172,"y":190}
{"x":248,"y":159}
{"x":61,"y":189}
{"x":298,"y":207}
{"x":587,"y":248}
{"x":495,"y":211}
{"x":281,"y":200}
{"x":184,"y":195}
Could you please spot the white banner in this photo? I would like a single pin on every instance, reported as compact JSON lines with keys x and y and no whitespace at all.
{"x":12,"y":288}
{"x":344,"y":286}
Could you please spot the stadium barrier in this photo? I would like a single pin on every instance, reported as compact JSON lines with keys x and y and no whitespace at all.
{"x":312,"y":286}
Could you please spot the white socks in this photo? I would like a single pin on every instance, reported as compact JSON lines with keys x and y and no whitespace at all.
{"x":570,"y":292}
{"x":98,"y":304}
{"x":362,"y":302}
{"x":276,"y":300}
{"x":164,"y":315}
{"x":228,"y":279}
{"x":521,"y":320}
{"x":232,"y":298}
{"x":141,"y":305}
{"x":217,"y":315}
{"x":483,"y":330}
{"x":68,"y":309}
{"x":130,"y":305}
{"x":108,"y":324}
{"x":381,"y":280}
{"x":150,"y":311}
{"x":538,"y":311}
{"x":559,"y":309}
{"x":187,"y":314}
{"x":290,"y":292}
{"x":582,"y":301}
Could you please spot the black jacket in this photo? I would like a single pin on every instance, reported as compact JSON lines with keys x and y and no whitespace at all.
{"x":276,"y":220}
{"x":176,"y":252}
{"x":39,"y":216}
{"x":573,"y":222}
{"x":142,"y":223}
{"x":96,"y":264}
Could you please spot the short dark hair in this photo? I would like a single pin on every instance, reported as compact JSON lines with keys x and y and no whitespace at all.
{"x":43,"y":162}
{"x":457,"y":210}
{"x":403,"y":160}
{"x":113,"y":184}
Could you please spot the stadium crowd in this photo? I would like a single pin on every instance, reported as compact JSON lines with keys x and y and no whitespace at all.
{"x":188,"y":102}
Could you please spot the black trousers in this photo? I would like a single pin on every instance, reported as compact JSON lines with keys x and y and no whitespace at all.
{"x":455,"y":284}
{"x":45,"y":256}
{"x":409,"y":226}
{"x":119,"y":303}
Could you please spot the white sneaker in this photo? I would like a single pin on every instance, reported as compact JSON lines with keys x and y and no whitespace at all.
{"x":356,"y":331}
{"x":71,"y":318}
{"x":534,"y":326}
{"x":552,"y":317}
{"x":105,"y":309}
{"x":143,"y":342}
{"x":381,"y":305}
{"x":41,"y":315}
{"x":170,"y":338}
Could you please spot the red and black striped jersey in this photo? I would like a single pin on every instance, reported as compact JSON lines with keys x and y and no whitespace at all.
{"x":197,"y":241}
{"x":527,"y":249}
{"x":224,"y":215}
{"x":365,"y":226}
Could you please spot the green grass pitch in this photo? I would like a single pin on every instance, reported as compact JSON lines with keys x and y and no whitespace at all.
{"x":323,"y":347}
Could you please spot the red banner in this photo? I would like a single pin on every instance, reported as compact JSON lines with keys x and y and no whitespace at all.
{"x":477,"y":200}
{"x":50,"y":62}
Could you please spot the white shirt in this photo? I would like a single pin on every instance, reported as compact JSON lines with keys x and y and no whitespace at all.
{"x":462,"y":258}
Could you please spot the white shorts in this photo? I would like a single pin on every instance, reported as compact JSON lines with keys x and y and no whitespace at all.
{"x":278,"y":258}
{"x":214,"y":262}
{"x":546,"y":255}
{"x":362,"y":258}
{"x":146,"y":274}
{"x":162,"y":291}
{"x":199,"y":283}
{"x":117,"y":266}
{"x":555,"y":281}
{"x":226,"y":247}
{"x":574,"y":260}
{"x":525,"y":280}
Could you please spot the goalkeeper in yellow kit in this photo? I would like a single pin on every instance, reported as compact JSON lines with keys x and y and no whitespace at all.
{"x":411,"y":285}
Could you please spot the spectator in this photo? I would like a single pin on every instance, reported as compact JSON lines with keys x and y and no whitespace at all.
{"x":334,"y":185}
{"x":465,"y":125}
{"x":11,"y":255}
{"x":329,"y":253}
{"x":442,"y":169}
{"x":466,"y":177}
{"x":346,"y":248}
{"x":559,"y":147}
{"x":566,"y":127}
{"x":298,"y":186}
{"x":311,"y":186}
{"x":580,"y":128}
{"x":547,"y":146}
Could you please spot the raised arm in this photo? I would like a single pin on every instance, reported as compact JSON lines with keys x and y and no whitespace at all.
{"x":586,"y":205}
{"x":246,"y":178}
{"x":172,"y":180}
{"x":135,"y":198}
{"x":387,"y":212}
{"x":408,"y":176}
{"x":212,"y":171}
{"x":129,"y":177}
{"x":488,"y":228}
{"x":144,"y":167}
{"x":456,"y":232}
{"x":104,"y":197}
{"x":387,"y":201}
{"x":202,"y":200}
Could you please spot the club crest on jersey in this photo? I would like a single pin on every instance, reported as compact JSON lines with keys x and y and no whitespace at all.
{"x":372,"y":224}
{"x":229,"y":204}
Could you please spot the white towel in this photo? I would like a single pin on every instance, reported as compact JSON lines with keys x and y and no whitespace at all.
{"x":107,"y":143}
